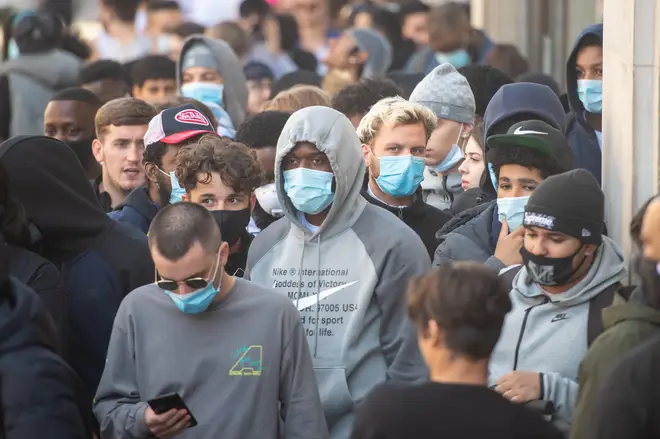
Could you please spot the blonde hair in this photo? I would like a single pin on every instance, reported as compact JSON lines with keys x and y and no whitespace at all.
{"x":297,"y":98}
{"x":394,"y":111}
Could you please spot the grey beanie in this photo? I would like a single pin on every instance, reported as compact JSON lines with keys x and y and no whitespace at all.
{"x":447,"y":93}
{"x":378,"y":49}
{"x":200,"y":55}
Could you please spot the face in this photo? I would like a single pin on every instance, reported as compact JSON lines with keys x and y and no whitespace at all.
{"x":363,"y":20}
{"x":266,"y":157}
{"x":202,"y":74}
{"x":517,"y":181}
{"x":155,"y":91}
{"x":198,"y":262}
{"x":214,"y":194}
{"x":258,"y":94}
{"x":69,"y":121}
{"x":305,"y":155}
{"x":589,"y":63}
{"x":309,"y":13}
{"x":161,"y":177}
{"x":555,"y":245}
{"x":416,"y":28}
{"x":443,"y":137}
{"x":649,"y":234}
{"x":400,"y":140}
{"x":107,"y":89}
{"x":473,"y":166}
{"x":120,"y":151}
{"x":342,"y":53}
{"x":159,"y":21}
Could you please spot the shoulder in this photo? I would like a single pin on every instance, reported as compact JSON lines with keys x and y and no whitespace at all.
{"x":258,"y":295}
{"x":388,"y":399}
{"x":268,"y":237}
{"x":478,"y":215}
{"x":618,"y":340}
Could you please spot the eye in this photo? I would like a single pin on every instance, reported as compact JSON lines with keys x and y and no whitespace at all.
{"x":74,"y":131}
{"x":234,"y":200}
{"x":505,"y":186}
{"x":529,"y":188}
{"x":579,"y":73}
{"x":208,"y":202}
{"x":317,"y":162}
{"x":394,"y":148}
{"x":418,"y":151}
{"x":556,"y":239}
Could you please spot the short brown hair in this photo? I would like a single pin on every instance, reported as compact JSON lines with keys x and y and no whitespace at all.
{"x":506,"y":58}
{"x":236,"y":164}
{"x":232,"y":34}
{"x":177,"y":101}
{"x":123,"y":111}
{"x":467,"y":300}
{"x":297,"y":98}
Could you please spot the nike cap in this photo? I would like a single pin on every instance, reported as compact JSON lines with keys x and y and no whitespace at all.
{"x":539,"y":136}
{"x":174,"y":125}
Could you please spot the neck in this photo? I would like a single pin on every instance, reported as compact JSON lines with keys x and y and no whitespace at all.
{"x":595,"y":120}
{"x":228,"y":283}
{"x":314,"y":37}
{"x":316,"y":220}
{"x":122,"y":31}
{"x":117,"y":196}
{"x":388,"y":199}
{"x":154,"y":196}
{"x":460,"y":371}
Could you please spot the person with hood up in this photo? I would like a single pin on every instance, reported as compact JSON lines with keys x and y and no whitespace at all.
{"x":100,"y":260}
{"x":327,"y":256}
{"x":168,"y":132}
{"x":209,"y":71}
{"x":394,"y":135}
{"x":447,"y":93}
{"x":570,"y":272}
{"x":473,"y":234}
{"x":40,"y":393}
{"x":38,"y":70}
{"x":584,"y":85}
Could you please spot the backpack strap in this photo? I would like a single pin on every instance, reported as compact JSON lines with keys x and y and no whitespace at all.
{"x":596,"y":305}
{"x":510,"y":273}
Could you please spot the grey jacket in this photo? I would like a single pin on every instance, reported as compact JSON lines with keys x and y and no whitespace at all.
{"x":348,"y":279}
{"x":467,"y":237}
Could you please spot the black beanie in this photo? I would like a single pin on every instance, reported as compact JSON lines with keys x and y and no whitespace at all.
{"x":571,"y":203}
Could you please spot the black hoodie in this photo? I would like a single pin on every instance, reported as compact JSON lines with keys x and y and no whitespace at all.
{"x":101,"y":261}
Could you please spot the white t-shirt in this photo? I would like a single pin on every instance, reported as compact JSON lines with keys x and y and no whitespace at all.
{"x":210,"y":12}
{"x":309,"y":226}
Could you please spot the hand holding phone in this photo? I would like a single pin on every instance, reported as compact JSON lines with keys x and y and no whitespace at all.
{"x":168,"y":415}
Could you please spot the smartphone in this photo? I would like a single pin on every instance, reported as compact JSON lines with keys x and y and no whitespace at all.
{"x":170,"y":401}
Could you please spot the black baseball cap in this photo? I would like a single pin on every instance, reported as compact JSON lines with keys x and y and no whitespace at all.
{"x":539,"y":136}
{"x":177,"y":124}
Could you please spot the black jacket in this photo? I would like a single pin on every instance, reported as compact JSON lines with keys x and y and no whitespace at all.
{"x":101,"y":260}
{"x":236,"y":262}
{"x":137,"y":210}
{"x":423,"y":218}
{"x":39,"y":392}
{"x":102,"y":197}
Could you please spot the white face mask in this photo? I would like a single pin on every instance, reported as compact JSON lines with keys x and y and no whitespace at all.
{"x":267,"y":198}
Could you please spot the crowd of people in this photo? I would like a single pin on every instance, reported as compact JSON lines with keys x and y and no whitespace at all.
{"x":343,"y":220}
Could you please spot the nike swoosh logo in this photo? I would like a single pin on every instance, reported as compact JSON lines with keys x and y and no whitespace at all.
{"x":558,"y":319}
{"x":308,"y":301}
{"x":520,"y":132}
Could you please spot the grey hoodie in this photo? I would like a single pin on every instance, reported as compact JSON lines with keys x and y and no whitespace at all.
{"x":547,"y":333}
{"x":348,"y":279}
{"x":236,"y":92}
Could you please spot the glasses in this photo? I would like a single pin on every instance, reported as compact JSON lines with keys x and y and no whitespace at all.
{"x":195,"y":283}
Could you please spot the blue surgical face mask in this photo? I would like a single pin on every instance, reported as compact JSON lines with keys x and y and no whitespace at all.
{"x":493,"y":177}
{"x":512,"y":210}
{"x":205,"y":92}
{"x":198,"y":301}
{"x":590,"y":92}
{"x":400,"y":176}
{"x":310,"y":191}
{"x":177,"y":191}
{"x":458,"y":58}
{"x":452,"y":159}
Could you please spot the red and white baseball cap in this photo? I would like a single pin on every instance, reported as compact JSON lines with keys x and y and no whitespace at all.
{"x":177,"y":124}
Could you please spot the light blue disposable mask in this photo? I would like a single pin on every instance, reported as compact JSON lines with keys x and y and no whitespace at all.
{"x":197,"y":301}
{"x":310,"y":191}
{"x":400,"y":176}
{"x":452,"y":159}
{"x":493,"y":177}
{"x":590,"y":92}
{"x":205,"y":92}
{"x":512,"y":210}
{"x":458,"y":58}
{"x":12,"y":50}
{"x":164,"y":44}
{"x":177,"y":191}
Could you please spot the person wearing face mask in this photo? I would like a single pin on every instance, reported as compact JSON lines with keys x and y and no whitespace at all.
{"x":393,"y":135}
{"x":448,"y":94}
{"x":520,"y":160}
{"x":569,"y":273}
{"x":234,"y":351}
{"x":223,"y":176}
{"x":168,"y":132}
{"x":209,"y":71}
{"x":584,"y":84}
{"x":628,"y":323}
{"x":343,"y":261}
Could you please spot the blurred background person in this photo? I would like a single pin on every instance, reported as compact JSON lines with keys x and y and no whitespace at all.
{"x":120,"y":40}
{"x":154,"y":79}
{"x":414,"y":16}
{"x":297,"y":98}
{"x":506,"y":58}
{"x":107,"y":79}
{"x":259,"y":82}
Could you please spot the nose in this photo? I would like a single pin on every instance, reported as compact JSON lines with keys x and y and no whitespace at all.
{"x":538,"y":248}
{"x":463,"y":169}
{"x":183,"y":288}
{"x":135,"y":154}
{"x":518,"y":192}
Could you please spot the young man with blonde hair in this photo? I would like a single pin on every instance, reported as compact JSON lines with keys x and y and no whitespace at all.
{"x":394,"y":134}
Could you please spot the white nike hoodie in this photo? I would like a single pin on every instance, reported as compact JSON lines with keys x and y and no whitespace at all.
{"x":348,"y":279}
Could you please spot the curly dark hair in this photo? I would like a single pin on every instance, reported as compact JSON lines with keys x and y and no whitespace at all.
{"x":523,"y":156}
{"x":467,"y":300}
{"x":357,"y":99}
{"x":236,"y":164}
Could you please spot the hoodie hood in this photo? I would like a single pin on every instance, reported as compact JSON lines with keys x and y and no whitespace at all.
{"x":334,"y":135}
{"x":622,"y":311}
{"x":47,"y":179}
{"x":608,"y":268}
{"x":57,"y":69}
{"x":235,"y":88}
{"x":571,"y":75}
{"x":378,"y":49}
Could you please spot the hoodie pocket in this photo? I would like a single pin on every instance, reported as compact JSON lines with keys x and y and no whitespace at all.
{"x":335,"y":396}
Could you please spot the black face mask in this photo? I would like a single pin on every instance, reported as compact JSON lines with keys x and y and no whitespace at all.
{"x":261,"y":218}
{"x":232,"y":223}
{"x":550,"y":271}
{"x":83,"y":150}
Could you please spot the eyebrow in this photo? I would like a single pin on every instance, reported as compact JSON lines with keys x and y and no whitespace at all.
{"x":192,"y":276}
{"x":527,"y":180}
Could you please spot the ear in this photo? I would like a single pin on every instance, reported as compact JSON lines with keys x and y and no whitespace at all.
{"x":151,"y":171}
{"x":224,"y":253}
{"x":97,"y":150}
{"x":590,"y":249}
{"x":366,"y":152}
{"x":253,"y":202}
{"x":359,"y":58}
{"x":137,"y":92}
{"x":435,"y":334}
{"x":467,"y":130}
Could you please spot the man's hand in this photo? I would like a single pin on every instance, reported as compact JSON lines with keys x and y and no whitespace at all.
{"x":520,"y":387}
{"x":166,"y":424}
{"x":509,"y":245}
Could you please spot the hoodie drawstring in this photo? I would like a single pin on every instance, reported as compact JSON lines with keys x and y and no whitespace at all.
{"x":318,"y":292}
{"x":300,"y":268}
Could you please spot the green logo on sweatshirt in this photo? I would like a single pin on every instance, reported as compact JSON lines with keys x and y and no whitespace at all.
{"x":249,"y":363}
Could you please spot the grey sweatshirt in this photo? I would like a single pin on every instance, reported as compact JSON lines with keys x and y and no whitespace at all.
{"x":549,"y":331}
{"x":348,"y":279}
{"x":240,"y":367}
